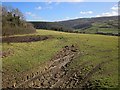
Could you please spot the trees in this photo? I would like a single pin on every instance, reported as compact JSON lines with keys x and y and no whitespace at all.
{"x":16,"y":12}
{"x":13,"y":22}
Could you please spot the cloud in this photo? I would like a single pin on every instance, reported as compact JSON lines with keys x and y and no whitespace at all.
{"x":87,"y":12}
{"x":30,"y":14}
{"x":38,"y":8}
{"x":33,"y":16}
{"x":113,"y":12}
{"x":115,"y":7}
{"x":67,"y":18}
{"x":49,"y":1}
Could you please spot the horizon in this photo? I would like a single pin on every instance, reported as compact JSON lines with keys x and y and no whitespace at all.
{"x":76,"y":19}
{"x":62,"y":11}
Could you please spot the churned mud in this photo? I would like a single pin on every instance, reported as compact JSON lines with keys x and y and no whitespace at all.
{"x":56,"y":73}
{"x":53,"y":71}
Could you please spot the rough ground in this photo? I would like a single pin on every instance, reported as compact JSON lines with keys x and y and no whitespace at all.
{"x":54,"y":70}
{"x":56,"y":73}
{"x":24,"y":38}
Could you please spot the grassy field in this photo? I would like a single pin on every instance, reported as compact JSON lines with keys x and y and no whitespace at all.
{"x":96,"y":28}
{"x":94,"y":49}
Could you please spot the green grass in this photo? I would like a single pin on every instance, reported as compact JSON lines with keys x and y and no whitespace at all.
{"x":96,"y":28}
{"x":95,"y":48}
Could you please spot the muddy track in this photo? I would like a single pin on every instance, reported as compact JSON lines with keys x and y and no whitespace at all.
{"x":57,"y":74}
{"x":54,"y":71}
{"x":73,"y":79}
{"x":67,"y":76}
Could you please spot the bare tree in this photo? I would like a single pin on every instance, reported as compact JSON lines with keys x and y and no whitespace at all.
{"x":17,"y":12}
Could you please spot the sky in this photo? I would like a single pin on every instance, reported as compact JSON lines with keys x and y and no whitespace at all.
{"x":60,"y":0}
{"x":59,"y":11}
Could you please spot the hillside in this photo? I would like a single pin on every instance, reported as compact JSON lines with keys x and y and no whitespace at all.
{"x":51,"y":26}
{"x":66,"y":60}
{"x":80,"y":53}
{"x":83,"y":25}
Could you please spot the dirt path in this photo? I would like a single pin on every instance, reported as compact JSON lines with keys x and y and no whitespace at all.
{"x":54,"y":71}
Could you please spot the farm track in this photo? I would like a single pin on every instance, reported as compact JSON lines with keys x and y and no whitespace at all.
{"x":58,"y":75}
{"x":55,"y":69}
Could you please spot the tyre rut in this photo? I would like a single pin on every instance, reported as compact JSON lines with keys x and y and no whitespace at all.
{"x":54,"y":71}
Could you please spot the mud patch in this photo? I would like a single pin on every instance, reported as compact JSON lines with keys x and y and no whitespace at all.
{"x":48,"y":76}
{"x":21,"y":39}
{"x":54,"y":71}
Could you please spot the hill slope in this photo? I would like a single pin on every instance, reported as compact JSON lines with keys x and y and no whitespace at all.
{"x":83,"y":25}
{"x":96,"y":66}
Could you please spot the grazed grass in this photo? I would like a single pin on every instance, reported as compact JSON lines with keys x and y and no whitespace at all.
{"x":94,"y":48}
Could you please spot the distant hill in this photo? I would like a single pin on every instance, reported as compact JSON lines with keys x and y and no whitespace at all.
{"x":57,"y":26}
{"x":81,"y":21}
{"x":82,"y":25}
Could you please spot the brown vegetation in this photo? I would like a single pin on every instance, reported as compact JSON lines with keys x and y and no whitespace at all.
{"x":13,"y":22}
